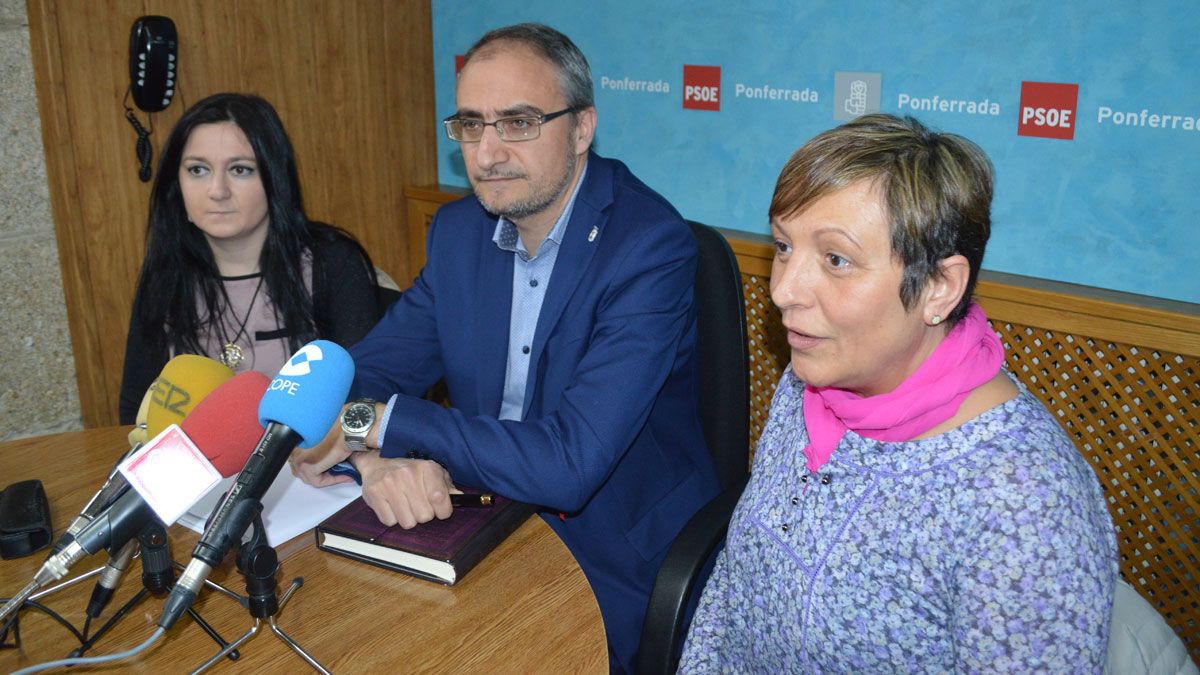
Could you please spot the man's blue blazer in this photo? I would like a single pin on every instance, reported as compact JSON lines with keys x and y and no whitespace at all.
{"x":610,"y":437}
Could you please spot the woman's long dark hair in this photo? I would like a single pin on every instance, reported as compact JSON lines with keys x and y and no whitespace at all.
{"x":179,"y":265}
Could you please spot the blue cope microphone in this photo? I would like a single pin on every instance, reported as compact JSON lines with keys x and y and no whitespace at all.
{"x":300,"y":406}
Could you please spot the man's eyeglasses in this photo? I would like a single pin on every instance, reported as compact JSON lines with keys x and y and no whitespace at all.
{"x":511,"y":129}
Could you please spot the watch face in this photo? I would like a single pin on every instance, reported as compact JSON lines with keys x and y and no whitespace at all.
{"x":358,"y":417}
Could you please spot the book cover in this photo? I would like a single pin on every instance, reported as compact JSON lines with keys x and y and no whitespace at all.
{"x":440,"y":550}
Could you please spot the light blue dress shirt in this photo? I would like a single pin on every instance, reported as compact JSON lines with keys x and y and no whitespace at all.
{"x":531,"y":278}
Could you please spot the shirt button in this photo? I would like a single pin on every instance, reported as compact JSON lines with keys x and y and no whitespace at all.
{"x":525,"y":349}
{"x":533,"y":282}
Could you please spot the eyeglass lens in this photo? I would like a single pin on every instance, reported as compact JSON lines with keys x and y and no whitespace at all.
{"x":508,"y":128}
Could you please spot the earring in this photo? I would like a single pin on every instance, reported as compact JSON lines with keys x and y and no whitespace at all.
{"x":937,"y":318}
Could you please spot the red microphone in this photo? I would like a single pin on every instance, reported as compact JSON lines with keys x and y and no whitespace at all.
{"x":225,"y":424}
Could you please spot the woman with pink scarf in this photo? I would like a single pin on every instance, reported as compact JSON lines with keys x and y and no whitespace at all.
{"x":912,"y":508}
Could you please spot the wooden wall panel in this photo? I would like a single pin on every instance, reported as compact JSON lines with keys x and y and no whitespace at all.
{"x":60,"y":162}
{"x":352,"y":80}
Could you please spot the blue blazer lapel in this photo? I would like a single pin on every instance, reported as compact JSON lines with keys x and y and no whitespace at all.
{"x":492,"y":309}
{"x":579,"y":245}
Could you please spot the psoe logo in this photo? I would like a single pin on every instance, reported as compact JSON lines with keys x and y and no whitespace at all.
{"x":1048,"y":110}
{"x":299,"y":363}
{"x":702,"y":87}
{"x":855,"y":94}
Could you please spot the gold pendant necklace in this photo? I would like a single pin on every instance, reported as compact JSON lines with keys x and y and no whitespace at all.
{"x":232,"y":354}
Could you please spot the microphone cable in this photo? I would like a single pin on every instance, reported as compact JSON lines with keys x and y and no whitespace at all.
{"x":88,"y":660}
{"x":13,"y":625}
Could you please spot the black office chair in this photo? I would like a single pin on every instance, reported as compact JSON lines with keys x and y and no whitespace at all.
{"x":384,"y":297}
{"x":725,"y":416}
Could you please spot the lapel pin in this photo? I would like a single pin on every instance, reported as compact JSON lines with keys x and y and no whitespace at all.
{"x":592,"y":234}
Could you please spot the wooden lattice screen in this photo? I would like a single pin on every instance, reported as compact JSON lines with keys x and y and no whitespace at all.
{"x":768,"y":350}
{"x":1122,"y":375}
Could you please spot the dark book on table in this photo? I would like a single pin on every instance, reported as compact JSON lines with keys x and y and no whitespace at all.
{"x":440,"y":550}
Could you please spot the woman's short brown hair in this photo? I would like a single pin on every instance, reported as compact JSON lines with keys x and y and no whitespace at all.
{"x":937,"y":189}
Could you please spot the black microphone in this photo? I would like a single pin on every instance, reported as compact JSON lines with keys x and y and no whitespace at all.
{"x":114,"y":486}
{"x":300,"y":406}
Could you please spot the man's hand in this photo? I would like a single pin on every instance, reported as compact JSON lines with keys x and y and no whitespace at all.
{"x":312,"y":464}
{"x":404,"y":491}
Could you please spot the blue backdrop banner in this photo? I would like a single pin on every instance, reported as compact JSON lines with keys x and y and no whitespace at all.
{"x":1090,"y":111}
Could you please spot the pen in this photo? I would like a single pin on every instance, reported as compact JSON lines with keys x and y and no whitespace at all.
{"x":462,"y":500}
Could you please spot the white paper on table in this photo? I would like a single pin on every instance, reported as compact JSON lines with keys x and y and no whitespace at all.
{"x":291,"y":507}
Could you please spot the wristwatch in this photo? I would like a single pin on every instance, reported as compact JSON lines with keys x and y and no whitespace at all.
{"x":357,"y":420}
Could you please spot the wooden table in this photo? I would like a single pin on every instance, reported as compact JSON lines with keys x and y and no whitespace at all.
{"x":526,"y":608}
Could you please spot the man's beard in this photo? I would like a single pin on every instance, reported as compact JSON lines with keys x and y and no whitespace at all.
{"x":538,"y":200}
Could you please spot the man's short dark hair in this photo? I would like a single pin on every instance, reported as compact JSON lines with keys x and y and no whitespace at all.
{"x":574,"y":74}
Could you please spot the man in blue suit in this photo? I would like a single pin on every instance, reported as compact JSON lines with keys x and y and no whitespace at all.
{"x":556,"y":304}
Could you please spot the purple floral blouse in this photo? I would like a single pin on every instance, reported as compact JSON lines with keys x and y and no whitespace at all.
{"x":988,"y":548}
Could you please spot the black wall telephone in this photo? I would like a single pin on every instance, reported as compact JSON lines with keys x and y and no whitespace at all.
{"x":153,"y":48}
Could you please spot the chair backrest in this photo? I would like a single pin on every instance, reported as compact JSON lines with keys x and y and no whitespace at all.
{"x":725,"y":416}
{"x":384,"y":297}
{"x":722,"y":356}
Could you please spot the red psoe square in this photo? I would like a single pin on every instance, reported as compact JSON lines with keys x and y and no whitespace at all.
{"x":1048,"y":110}
{"x":702,"y":87}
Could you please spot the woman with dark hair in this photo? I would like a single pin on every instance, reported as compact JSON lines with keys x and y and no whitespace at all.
{"x":912,"y":507}
{"x":234,"y":269}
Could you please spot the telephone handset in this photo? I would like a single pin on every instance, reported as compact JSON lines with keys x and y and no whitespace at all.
{"x":153,"y":50}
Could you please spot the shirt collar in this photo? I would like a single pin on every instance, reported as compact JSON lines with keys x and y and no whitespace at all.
{"x":507,"y":238}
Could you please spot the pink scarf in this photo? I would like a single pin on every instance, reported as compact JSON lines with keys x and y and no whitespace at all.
{"x":969,"y":356}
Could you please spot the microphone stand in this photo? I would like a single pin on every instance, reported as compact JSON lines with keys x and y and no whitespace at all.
{"x":158,"y":576}
{"x":258,"y":562}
